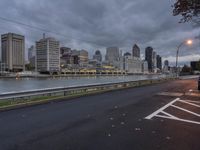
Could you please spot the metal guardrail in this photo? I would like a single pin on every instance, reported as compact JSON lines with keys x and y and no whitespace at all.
{"x":64,"y":91}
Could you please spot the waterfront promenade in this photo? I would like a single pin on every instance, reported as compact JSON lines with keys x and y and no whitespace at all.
{"x":115,"y":120}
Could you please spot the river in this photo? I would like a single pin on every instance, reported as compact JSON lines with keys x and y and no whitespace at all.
{"x":25,"y":84}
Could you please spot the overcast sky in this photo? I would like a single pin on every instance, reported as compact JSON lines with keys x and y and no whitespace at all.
{"x":97,"y":24}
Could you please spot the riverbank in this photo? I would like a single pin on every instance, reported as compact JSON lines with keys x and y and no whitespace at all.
{"x":14,"y":101}
{"x":71,"y":75}
{"x":24,"y":84}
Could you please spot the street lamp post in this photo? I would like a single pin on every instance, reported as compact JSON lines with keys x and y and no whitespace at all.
{"x":188,"y":42}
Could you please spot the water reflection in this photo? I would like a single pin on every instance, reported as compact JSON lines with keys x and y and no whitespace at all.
{"x":20,"y":84}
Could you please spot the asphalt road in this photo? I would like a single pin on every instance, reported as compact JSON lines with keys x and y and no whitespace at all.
{"x":109,"y":121}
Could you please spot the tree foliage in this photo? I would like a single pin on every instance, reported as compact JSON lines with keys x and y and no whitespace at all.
{"x":188,"y":9}
{"x":186,"y":69}
{"x":29,"y":67}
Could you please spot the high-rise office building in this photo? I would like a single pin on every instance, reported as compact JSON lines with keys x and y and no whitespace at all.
{"x":112,"y":54}
{"x":136,"y":51}
{"x":149,"y":58}
{"x":154,"y":62}
{"x":166,"y":66}
{"x":48,"y":55}
{"x":97,"y":56}
{"x":31,"y":52}
{"x":166,"y":63}
{"x":159,"y":62}
{"x":83,"y":57}
{"x":13,"y":49}
{"x":31,"y":56}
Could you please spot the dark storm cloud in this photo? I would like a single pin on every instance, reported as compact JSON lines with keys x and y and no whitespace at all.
{"x":92,"y":24}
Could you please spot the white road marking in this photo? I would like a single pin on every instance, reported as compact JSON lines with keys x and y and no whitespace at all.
{"x":198,"y":102}
{"x":161,"y":113}
{"x":193,"y":94}
{"x":195,"y":90}
{"x":179,"y":119}
{"x":186,"y":102}
{"x":168,"y":114}
{"x":190,"y":112}
{"x":161,"y":109}
{"x":171,"y":94}
{"x":167,"y":117}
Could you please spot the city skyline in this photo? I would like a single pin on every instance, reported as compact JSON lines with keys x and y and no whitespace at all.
{"x":116,"y":49}
{"x":157,"y":62}
{"x":130,"y":50}
{"x":83,"y":27}
{"x":30,"y":50}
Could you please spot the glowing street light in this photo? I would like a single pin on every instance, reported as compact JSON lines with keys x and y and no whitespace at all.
{"x":187,"y":42}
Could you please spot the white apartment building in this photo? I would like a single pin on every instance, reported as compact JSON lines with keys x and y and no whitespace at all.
{"x":132,"y":65}
{"x":48,"y":55}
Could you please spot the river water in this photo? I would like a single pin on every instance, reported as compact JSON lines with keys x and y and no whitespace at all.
{"x":25,"y":84}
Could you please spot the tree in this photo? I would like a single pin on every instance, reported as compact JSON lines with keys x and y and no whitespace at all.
{"x":188,"y":9}
{"x":29,"y":67}
{"x":186,"y":69}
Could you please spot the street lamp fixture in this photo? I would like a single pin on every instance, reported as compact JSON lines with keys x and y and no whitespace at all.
{"x":187,"y":42}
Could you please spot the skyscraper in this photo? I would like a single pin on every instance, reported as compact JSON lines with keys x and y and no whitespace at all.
{"x":83,"y":57}
{"x":159,"y":62}
{"x":149,"y":58}
{"x":47,"y":55}
{"x":166,"y":66}
{"x":98,"y":56}
{"x":154,"y":62}
{"x":166,"y":63}
{"x":31,"y":56}
{"x":31,"y":52}
{"x":13,"y":46}
{"x":112,"y":54}
{"x":136,"y":51}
